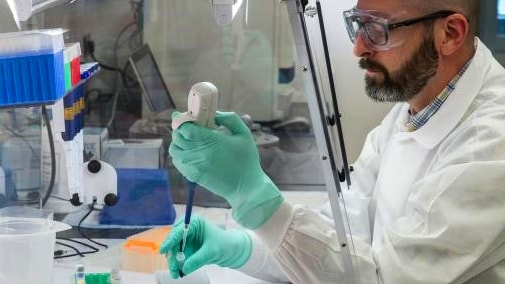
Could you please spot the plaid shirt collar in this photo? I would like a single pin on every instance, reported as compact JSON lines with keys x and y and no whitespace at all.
{"x":419,"y":119}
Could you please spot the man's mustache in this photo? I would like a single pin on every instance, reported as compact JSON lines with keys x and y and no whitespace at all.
{"x":365,"y":63}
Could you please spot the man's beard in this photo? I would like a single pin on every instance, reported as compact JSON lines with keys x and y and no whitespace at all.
{"x":409,"y":80}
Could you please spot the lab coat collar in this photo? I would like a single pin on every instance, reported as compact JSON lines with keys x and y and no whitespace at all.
{"x":458,"y":102}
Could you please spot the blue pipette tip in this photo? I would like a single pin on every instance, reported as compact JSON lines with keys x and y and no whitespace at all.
{"x":187,"y":218}
{"x":189,"y":202}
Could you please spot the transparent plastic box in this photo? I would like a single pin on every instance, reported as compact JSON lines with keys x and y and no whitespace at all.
{"x":26,"y":42}
{"x":140,"y":252}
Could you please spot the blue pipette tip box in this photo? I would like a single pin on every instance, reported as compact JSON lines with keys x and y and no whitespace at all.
{"x":31,"y":78}
{"x":32,"y":67}
{"x":145,"y":199}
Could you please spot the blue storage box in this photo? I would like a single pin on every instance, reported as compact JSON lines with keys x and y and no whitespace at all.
{"x":32,"y":67}
{"x":31,"y":78}
{"x":144,"y":199}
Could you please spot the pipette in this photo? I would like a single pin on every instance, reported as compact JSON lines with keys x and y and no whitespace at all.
{"x":189,"y":208}
{"x":202,"y":107}
{"x":180,"y":257}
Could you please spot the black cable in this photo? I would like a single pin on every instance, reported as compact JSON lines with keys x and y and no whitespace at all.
{"x":78,"y":252}
{"x":92,"y":207}
{"x":125,"y":78}
{"x":91,"y":91}
{"x":116,"y":42}
{"x":65,"y":256}
{"x":73,"y":254}
{"x":81,"y":243}
{"x":105,"y":66}
{"x":53,"y":155}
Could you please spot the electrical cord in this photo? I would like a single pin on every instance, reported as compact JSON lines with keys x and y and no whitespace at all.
{"x":113,"y":111}
{"x":59,"y":254}
{"x":118,"y":37}
{"x":90,"y":46}
{"x":125,"y":78}
{"x":94,"y":249}
{"x":134,"y":41}
{"x":92,"y":207}
{"x":105,"y":66}
{"x":50,"y":187}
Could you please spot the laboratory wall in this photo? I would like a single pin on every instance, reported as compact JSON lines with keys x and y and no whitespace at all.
{"x":492,"y":27}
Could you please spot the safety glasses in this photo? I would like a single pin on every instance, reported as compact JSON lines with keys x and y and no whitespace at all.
{"x":377,"y":29}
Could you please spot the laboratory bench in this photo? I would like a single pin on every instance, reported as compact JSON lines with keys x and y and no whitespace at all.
{"x":106,"y":259}
{"x":103,"y":261}
{"x":63,"y":274}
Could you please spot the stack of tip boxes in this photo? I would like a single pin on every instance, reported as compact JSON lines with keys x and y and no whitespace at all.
{"x":71,"y":59}
{"x":31,"y":67}
{"x":73,"y":103}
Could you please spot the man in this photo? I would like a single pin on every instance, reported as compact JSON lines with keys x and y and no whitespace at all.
{"x":429,"y":183}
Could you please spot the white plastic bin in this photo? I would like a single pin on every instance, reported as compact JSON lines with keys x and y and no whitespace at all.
{"x":27,"y":249}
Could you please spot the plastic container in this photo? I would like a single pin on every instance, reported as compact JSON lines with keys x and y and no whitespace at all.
{"x":45,"y":41}
{"x":31,"y":79}
{"x":27,"y":246}
{"x":140,"y":252}
{"x":145,"y":199}
{"x":31,"y":67}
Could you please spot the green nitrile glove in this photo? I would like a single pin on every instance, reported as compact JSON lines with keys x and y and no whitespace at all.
{"x":228,"y":165}
{"x":206,"y":244}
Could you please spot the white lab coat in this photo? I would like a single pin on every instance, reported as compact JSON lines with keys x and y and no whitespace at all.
{"x":425,"y":206}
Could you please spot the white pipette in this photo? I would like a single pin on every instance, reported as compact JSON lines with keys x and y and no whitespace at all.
{"x":202,"y":106}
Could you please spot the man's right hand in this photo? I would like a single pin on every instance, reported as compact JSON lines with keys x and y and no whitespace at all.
{"x":206,"y":244}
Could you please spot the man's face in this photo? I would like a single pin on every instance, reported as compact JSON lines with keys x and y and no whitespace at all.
{"x":403,"y":84}
{"x":403,"y":68}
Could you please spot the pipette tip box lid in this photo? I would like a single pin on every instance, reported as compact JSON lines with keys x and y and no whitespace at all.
{"x":31,"y":67}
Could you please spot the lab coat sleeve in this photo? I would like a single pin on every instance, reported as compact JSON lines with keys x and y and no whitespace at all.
{"x":307,"y":248}
{"x":262,"y":264}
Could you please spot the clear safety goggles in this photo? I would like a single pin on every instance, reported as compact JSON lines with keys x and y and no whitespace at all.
{"x":376,"y":29}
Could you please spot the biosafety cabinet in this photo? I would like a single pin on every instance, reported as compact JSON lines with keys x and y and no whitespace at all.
{"x":285,"y":66}
{"x":96,"y":155}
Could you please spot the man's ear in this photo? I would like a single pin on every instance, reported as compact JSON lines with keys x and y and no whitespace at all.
{"x":452,"y":33}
